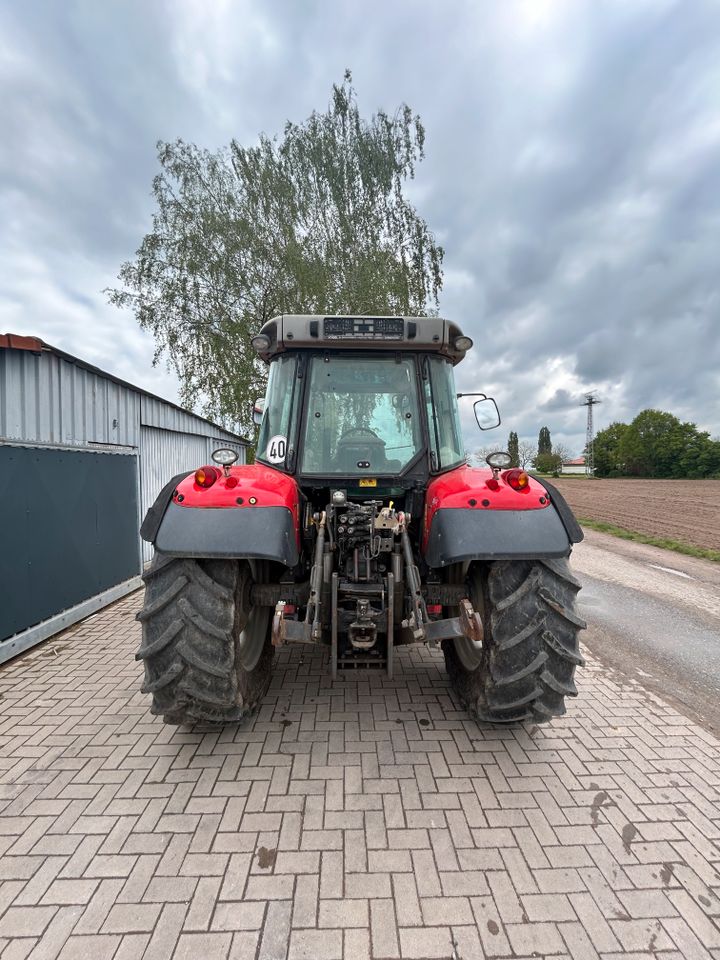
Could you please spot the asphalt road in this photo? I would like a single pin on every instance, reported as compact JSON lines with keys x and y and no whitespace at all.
{"x":654,"y":617}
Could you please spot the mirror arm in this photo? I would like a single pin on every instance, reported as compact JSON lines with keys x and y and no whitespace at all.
{"x":471,"y":395}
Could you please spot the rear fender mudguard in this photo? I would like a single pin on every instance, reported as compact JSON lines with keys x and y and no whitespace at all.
{"x":465,"y":519}
{"x":252,"y":513}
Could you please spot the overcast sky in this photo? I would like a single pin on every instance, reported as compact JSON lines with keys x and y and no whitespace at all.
{"x":572,"y":174}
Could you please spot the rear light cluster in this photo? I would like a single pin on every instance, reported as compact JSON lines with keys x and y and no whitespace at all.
{"x":206,"y":476}
{"x":517,"y":479}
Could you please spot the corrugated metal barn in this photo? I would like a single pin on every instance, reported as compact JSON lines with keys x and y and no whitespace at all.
{"x":82,"y":456}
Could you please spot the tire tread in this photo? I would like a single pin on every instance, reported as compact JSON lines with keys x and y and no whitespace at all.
{"x":192,"y":617}
{"x":531,"y":647}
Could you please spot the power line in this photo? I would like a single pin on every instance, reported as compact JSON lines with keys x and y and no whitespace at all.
{"x":590,"y":401}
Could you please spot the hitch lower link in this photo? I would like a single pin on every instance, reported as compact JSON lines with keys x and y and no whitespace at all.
{"x":280,"y":627}
{"x":468,"y":624}
{"x":308,"y":630}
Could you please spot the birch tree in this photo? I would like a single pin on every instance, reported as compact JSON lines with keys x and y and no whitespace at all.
{"x":313,"y":221}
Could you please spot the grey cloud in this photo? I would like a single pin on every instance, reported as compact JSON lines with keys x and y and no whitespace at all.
{"x":560,"y":400}
{"x":572,"y":174}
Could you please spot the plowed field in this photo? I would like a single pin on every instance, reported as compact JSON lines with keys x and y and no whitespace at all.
{"x":685,"y":510}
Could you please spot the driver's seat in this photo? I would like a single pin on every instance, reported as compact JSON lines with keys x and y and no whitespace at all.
{"x":359,"y":445}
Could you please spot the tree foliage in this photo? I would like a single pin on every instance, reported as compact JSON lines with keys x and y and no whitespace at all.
{"x":561,"y":452}
{"x":552,"y":462}
{"x":478,"y":455}
{"x":544,"y":441}
{"x":547,"y":462}
{"x":527,"y":452}
{"x":656,"y":444}
{"x":606,"y":450}
{"x":313,"y":222}
{"x":513,"y":449}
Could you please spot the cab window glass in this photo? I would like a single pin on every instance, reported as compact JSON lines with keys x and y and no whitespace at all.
{"x":446,"y":440}
{"x":362,"y":416}
{"x":277,"y":430}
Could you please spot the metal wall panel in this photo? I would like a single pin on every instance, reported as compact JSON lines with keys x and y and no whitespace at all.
{"x":69,"y":530}
{"x":163,"y":454}
{"x":155,"y":413}
{"x":49,"y":398}
{"x":213,"y":443}
{"x":45,"y":398}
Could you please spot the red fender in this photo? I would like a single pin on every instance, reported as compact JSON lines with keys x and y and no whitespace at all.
{"x":474,"y":489}
{"x":253,"y":512}
{"x":247,"y":487}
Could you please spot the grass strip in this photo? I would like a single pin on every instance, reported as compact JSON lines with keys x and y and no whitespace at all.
{"x":562,"y":476}
{"x":677,"y":546}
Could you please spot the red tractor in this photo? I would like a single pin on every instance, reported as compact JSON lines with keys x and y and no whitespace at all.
{"x":360,"y":527}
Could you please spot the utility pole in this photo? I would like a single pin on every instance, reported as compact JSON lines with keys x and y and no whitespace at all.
{"x":589,"y":402}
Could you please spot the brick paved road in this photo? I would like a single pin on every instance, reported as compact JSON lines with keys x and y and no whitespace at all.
{"x":364,"y":819}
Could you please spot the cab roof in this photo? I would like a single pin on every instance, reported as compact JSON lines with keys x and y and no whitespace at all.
{"x":348,"y":332}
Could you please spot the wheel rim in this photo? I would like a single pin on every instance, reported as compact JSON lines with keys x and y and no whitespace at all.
{"x":469,"y":652}
{"x":252,"y":638}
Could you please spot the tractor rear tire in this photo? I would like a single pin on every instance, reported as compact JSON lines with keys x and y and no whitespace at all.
{"x":525,"y":667}
{"x":207,"y":650}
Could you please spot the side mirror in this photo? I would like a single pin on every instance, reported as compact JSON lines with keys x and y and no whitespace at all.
{"x":486,"y":413}
{"x":258,"y":411}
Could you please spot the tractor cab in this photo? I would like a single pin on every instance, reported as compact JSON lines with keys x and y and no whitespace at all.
{"x":362,"y":403}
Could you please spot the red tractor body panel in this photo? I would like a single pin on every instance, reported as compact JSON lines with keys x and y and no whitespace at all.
{"x":474,"y":488}
{"x":254,"y":511}
{"x":470,"y":515}
{"x":246,"y":487}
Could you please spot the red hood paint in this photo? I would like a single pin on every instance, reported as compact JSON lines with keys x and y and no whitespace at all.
{"x":466,"y":487}
{"x":269,"y":487}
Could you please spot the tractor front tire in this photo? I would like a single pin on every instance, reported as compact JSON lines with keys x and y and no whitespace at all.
{"x":206,"y":649}
{"x":525,"y":667}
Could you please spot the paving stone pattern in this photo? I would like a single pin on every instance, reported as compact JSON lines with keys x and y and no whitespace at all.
{"x":361,"y":819}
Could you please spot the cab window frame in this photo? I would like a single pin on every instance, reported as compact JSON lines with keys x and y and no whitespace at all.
{"x":420,"y":428}
{"x":435,"y":423}
{"x":287,"y":465}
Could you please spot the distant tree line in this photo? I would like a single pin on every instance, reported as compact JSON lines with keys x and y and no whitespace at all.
{"x":545,"y":456}
{"x":656,"y":444}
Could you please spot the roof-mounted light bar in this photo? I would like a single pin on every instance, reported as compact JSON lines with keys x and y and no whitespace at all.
{"x":307,"y":332}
